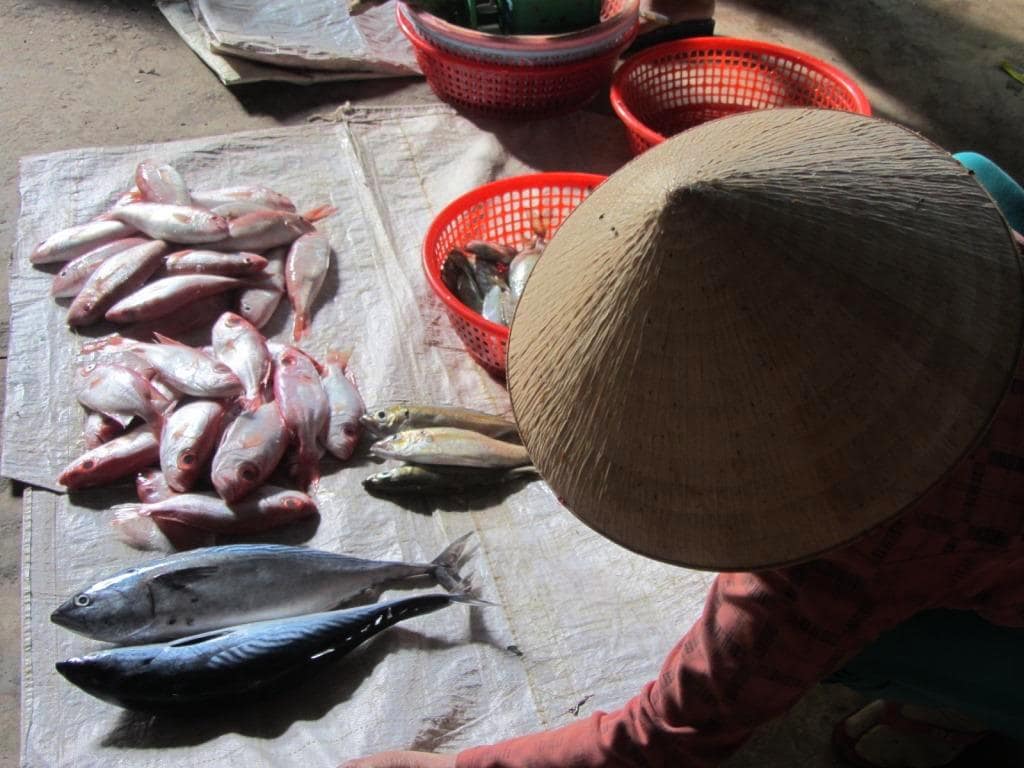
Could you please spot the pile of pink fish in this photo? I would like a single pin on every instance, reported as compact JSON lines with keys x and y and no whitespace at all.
{"x":231,"y":418}
{"x":162,"y":248}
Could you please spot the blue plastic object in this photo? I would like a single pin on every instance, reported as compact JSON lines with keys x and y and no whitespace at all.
{"x":1007,"y":193}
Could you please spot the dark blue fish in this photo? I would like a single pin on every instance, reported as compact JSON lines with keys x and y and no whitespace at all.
{"x":240,"y":660}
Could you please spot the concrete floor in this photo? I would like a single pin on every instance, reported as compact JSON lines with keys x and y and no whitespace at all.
{"x":80,"y":72}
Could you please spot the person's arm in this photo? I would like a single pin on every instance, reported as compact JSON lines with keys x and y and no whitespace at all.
{"x":763,"y":640}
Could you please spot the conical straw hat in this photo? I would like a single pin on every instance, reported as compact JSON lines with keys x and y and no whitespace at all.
{"x":765,"y":336}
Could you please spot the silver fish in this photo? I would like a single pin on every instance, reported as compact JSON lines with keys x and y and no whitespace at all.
{"x":214,"y":263}
{"x":300,"y":396}
{"x":489,"y":251}
{"x":519,"y":270}
{"x":190,"y":371}
{"x":392,"y":419}
{"x":74,"y":241}
{"x":265,"y":508}
{"x":496,"y":305}
{"x":238,"y":661}
{"x":250,"y":449}
{"x":173,"y":223}
{"x":119,"y":393}
{"x":70,"y":280}
{"x":187,"y":440}
{"x":117,"y":276}
{"x":228,"y":585}
{"x":111,"y":461}
{"x":258,"y":302}
{"x":267,"y":229}
{"x":346,"y":408}
{"x":257,"y":195}
{"x":161,"y":183}
{"x":415,"y":479}
{"x":163,"y":296}
{"x":304,"y":272}
{"x":452,"y":447}
{"x":242,"y":348}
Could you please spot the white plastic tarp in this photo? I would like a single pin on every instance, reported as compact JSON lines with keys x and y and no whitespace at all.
{"x":579,"y":622}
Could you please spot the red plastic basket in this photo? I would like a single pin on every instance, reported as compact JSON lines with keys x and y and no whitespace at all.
{"x":505,"y":90}
{"x":503,"y":211}
{"x":674,"y":86}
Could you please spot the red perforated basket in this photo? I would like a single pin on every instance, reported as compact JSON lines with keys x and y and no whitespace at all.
{"x":504,"y":211}
{"x":674,"y":86}
{"x":511,"y":90}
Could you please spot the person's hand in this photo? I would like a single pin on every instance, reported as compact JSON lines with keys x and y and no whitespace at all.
{"x":402,"y":760}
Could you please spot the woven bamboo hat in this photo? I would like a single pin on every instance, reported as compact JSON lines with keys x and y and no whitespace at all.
{"x":765,"y":336}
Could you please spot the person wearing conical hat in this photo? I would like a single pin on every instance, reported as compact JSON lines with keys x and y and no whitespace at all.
{"x":790,"y":352}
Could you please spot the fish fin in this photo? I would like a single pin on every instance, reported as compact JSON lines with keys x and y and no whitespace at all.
{"x":470,"y":599}
{"x":127,"y":512}
{"x":115,"y":340}
{"x":320,"y":212}
{"x":447,"y":563}
{"x":186,"y":577}
{"x":300,"y":326}
{"x":338,"y":357}
{"x":139,"y":532}
{"x":168,"y":340}
{"x":252,"y":403}
{"x":124,"y":419}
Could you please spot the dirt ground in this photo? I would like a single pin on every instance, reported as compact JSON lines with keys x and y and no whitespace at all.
{"x":83,"y":73}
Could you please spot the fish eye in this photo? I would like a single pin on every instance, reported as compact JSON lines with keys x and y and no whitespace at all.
{"x":188,"y":459}
{"x":250,"y":473}
{"x":83,"y":600}
{"x":88,"y":464}
{"x":382,"y":415}
{"x":348,"y":430}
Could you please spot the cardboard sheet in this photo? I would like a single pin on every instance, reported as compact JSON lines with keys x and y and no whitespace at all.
{"x":579,"y":624}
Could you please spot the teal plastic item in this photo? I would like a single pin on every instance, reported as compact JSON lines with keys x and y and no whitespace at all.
{"x":547,"y":17}
{"x":1007,"y":193}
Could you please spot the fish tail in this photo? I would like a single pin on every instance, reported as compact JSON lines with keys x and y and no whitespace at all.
{"x":320,"y":212}
{"x":126,"y":513}
{"x":252,"y":402}
{"x":468,"y":598}
{"x":446,"y":566}
{"x":338,"y":357}
{"x":307,"y":475}
{"x":528,"y":470}
{"x":168,"y":340}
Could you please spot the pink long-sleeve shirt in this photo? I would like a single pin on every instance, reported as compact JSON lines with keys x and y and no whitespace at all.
{"x":765,"y":638}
